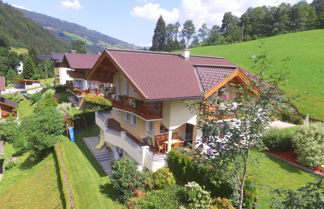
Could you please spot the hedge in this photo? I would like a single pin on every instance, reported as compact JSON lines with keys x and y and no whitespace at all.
{"x":279,"y":139}
{"x":186,"y":169}
{"x":68,"y":193}
{"x":84,"y":119}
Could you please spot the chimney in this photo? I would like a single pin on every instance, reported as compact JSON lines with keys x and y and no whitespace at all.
{"x":73,"y":51}
{"x":186,"y":54}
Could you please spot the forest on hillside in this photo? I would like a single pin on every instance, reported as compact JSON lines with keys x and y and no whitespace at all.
{"x":255,"y":23}
{"x":21,"y":32}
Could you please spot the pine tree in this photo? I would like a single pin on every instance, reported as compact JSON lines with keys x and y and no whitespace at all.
{"x":158,"y":42}
{"x":29,"y":68}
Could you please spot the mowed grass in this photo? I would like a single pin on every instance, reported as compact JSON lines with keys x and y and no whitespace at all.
{"x":29,"y":185}
{"x":305,"y":69}
{"x":25,"y":108}
{"x":270,"y":173}
{"x":92,"y":188}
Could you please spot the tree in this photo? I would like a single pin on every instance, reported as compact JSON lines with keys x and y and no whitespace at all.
{"x":188,"y":31}
{"x":159,"y":37}
{"x":214,"y":36}
{"x":79,"y":46}
{"x":249,"y":107}
{"x":41,"y":131}
{"x":281,"y":16}
{"x":172,"y":42}
{"x":230,"y":27}
{"x":29,"y":68}
{"x":194,"y":42}
{"x":4,"y":43}
{"x":203,"y":32}
{"x":303,"y":17}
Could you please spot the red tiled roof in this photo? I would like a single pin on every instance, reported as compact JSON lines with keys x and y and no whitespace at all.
{"x":160,"y":76}
{"x":211,"y":76}
{"x":81,"y":61}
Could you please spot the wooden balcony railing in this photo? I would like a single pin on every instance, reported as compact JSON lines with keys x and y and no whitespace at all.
{"x":147,"y":110}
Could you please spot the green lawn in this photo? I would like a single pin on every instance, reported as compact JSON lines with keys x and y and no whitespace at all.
{"x":29,"y":185}
{"x":270,"y":173}
{"x":92,"y":188}
{"x":305,"y":69}
{"x":25,"y":108}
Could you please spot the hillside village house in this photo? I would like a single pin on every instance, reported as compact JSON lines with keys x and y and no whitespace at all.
{"x":149,"y":115}
{"x":60,"y":72}
{"x":80,"y":65}
{"x":8,"y":108}
{"x":26,"y":84}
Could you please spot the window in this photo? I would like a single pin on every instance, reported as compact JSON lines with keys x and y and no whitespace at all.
{"x":132,"y":92}
{"x":131,"y":119}
{"x":149,"y":129}
{"x":134,"y":120}
{"x":128,"y":117}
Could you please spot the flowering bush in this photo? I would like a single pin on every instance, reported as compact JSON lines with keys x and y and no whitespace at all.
{"x":309,"y":144}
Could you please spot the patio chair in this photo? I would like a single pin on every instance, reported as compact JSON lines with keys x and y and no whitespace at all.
{"x":159,"y":144}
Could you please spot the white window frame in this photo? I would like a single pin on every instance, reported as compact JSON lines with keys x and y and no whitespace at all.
{"x":132,"y":120}
{"x":149,"y":129}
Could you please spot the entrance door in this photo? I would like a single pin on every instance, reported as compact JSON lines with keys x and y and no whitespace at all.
{"x":189,"y":132}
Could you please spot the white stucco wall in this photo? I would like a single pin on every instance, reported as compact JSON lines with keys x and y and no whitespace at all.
{"x":64,"y":76}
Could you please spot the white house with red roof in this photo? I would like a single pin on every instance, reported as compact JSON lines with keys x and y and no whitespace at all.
{"x":149,"y":115}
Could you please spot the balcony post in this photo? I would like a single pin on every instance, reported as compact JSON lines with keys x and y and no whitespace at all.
{"x":169,"y":140}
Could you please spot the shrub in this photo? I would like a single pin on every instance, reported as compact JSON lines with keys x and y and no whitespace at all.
{"x":126,"y":179}
{"x":9,"y":130}
{"x":279,"y":139}
{"x":64,"y":108}
{"x":160,"y":199}
{"x":160,"y":179}
{"x":194,"y":196}
{"x":48,"y":100}
{"x":221,"y":203}
{"x":309,"y":144}
{"x":291,"y":118}
{"x":186,"y":169}
{"x":96,"y":102}
{"x":35,"y":97}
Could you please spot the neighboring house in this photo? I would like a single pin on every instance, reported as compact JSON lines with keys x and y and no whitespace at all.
{"x":8,"y":108}
{"x":20,"y":68}
{"x":60,"y":72}
{"x":26,"y":84}
{"x":80,"y":65}
{"x":149,"y":115}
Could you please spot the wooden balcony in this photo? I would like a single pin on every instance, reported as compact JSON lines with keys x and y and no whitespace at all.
{"x":144,"y":109}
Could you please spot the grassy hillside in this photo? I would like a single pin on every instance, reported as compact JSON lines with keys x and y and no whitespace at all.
{"x":31,"y":186}
{"x":22,"y":32}
{"x":305,"y":69}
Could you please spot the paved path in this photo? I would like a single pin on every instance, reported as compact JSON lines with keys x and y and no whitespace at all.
{"x":103,"y":157}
